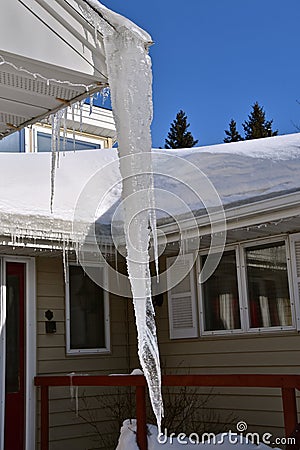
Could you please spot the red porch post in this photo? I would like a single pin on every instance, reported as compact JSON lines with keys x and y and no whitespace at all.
{"x":141,"y":421}
{"x":44,"y":418}
{"x":289,"y":410}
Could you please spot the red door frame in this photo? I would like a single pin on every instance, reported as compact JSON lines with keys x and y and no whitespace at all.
{"x":14,"y":428}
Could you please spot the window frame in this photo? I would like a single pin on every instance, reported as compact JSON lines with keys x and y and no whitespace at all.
{"x":69,"y":135}
{"x":243,"y":295}
{"x":87,"y":351}
{"x":245,"y":284}
{"x":204,"y":332}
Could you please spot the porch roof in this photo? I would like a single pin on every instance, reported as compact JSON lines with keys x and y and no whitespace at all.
{"x":257,"y":182}
{"x":48,"y":59}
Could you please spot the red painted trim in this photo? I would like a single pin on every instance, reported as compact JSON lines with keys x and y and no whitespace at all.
{"x":15,"y":401}
{"x":239,"y":380}
{"x":141,"y":425}
{"x":45,"y":418}
{"x":287,"y":383}
{"x":289,"y":410}
{"x":91,"y":380}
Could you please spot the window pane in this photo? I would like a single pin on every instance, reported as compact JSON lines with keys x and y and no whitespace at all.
{"x":44,"y":144}
{"x":14,"y":143}
{"x":268,"y":290}
{"x":220,"y":296}
{"x":87,"y":321}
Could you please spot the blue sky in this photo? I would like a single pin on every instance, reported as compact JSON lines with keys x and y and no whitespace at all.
{"x":215,"y":58}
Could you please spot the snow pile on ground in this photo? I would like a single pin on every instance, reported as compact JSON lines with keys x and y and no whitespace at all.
{"x":127,"y":441}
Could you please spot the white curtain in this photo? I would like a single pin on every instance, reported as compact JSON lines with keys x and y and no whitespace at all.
{"x":226,"y":310}
{"x":265,"y":311}
{"x":284,"y":311}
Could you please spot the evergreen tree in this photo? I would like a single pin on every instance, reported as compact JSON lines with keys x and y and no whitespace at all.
{"x":179,"y":136}
{"x":232,"y":135}
{"x":257,"y":126}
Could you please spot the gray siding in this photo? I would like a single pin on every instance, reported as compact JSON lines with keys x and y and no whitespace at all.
{"x":67,"y":430}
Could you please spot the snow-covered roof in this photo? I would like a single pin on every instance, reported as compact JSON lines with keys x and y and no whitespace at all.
{"x":243,"y":172}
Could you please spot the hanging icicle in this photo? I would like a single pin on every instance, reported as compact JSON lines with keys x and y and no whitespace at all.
{"x":130,"y":80}
{"x":73,"y":125}
{"x":55,"y":120}
{"x":80,"y":115}
{"x":91,"y":104}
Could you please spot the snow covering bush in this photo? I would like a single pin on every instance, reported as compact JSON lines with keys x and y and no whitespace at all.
{"x":127,"y":441}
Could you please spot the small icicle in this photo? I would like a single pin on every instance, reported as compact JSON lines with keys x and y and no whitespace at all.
{"x":55,"y":145}
{"x":71,"y":375}
{"x":58,"y":119}
{"x":74,"y":392}
{"x":73,"y":125}
{"x":80,"y":115}
{"x":65,"y":129}
{"x":53,"y":162}
{"x":65,"y":262}
{"x":116,"y":266}
{"x":91,"y":104}
{"x":76,"y":400}
{"x":105,"y":94}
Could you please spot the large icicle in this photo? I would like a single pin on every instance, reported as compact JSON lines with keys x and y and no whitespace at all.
{"x":130,"y":80}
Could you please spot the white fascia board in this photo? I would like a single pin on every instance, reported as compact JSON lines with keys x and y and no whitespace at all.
{"x":242,"y":216}
{"x":99,"y":118}
{"x":53,"y":37}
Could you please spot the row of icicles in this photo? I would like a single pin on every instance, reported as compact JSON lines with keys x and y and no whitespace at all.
{"x":58,"y":122}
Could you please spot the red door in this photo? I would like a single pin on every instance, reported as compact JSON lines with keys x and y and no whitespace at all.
{"x":15,"y":357}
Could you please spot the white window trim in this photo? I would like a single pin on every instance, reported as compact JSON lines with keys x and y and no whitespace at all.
{"x":89,"y":351}
{"x":30,"y":356}
{"x":78,"y":137}
{"x":243,"y":291}
{"x":204,"y":332}
{"x":293,"y":277}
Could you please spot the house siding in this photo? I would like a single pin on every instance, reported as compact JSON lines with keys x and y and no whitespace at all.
{"x":264,"y":353}
{"x":66,"y":429}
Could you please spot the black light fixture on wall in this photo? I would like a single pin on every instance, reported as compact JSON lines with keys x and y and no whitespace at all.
{"x":51,"y":324}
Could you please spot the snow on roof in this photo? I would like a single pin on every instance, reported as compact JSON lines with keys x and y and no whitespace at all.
{"x":241,"y":172}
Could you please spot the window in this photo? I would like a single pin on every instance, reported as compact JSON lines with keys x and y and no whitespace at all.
{"x":44,"y":143}
{"x":87,"y":313}
{"x":267,"y":286}
{"x":14,"y":143}
{"x":220,"y":296}
{"x":259,"y":287}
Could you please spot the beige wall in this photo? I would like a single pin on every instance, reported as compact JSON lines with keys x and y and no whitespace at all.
{"x":269,"y":353}
{"x":66,"y":430}
{"x":266,"y":353}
